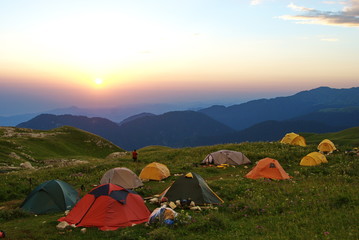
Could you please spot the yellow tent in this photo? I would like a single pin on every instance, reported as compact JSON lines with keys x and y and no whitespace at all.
{"x":326,"y":146}
{"x":313,"y":159}
{"x":294,"y":139}
{"x":155,"y":171}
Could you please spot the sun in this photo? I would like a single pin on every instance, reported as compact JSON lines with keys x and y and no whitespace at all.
{"x":98,"y":81}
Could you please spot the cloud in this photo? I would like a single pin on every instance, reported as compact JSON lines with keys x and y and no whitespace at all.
{"x":348,"y":17}
{"x":329,"y":39}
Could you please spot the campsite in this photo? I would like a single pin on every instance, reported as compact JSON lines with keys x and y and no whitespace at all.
{"x":316,"y":202}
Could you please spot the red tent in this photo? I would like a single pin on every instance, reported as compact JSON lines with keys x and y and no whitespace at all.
{"x":108,"y":207}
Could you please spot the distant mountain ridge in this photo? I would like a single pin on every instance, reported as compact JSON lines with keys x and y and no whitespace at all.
{"x":247,"y":114}
{"x":316,"y":111}
{"x":169,"y":129}
{"x":115,"y":114}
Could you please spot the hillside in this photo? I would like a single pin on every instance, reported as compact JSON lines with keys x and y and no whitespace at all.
{"x":244,"y":115}
{"x":39,"y":147}
{"x":319,"y":202}
{"x":336,"y":117}
{"x":99,"y":126}
{"x":347,"y":137}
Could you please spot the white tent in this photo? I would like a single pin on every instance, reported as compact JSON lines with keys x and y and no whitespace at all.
{"x":123,"y":177}
{"x":226,"y":157}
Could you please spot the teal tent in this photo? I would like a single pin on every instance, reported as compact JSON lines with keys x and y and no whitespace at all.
{"x":191,"y":187}
{"x":51,"y":196}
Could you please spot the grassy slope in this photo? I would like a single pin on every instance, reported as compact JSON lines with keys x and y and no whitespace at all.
{"x":319,"y":203}
{"x":60,"y":143}
{"x":346,"y":137}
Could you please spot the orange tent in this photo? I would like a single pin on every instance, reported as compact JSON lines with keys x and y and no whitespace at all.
{"x":268,"y":168}
{"x":155,"y":171}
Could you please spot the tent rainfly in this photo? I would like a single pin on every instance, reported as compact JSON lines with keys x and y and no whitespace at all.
{"x":123,"y":177}
{"x":294,"y":139}
{"x":313,"y":159}
{"x":226,"y":157}
{"x":191,"y":187}
{"x":268,"y":168}
{"x":155,"y":171}
{"x":108,"y":207}
{"x":51,"y":196}
{"x":326,"y":146}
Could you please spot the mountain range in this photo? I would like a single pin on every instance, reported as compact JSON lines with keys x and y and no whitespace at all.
{"x":318,"y":110}
{"x":247,"y":114}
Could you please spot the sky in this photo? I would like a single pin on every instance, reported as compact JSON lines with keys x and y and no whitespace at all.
{"x":110,"y":53}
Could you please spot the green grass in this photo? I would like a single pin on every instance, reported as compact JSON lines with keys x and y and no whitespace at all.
{"x":343,"y":139}
{"x":19,"y":144}
{"x":318,"y":203}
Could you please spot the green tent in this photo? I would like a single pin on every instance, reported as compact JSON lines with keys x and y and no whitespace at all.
{"x":51,"y":196}
{"x":191,"y":186}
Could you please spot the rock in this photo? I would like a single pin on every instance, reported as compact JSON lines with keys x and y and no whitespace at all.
{"x":172,"y":205}
{"x":196,"y":208}
{"x":83,"y":230}
{"x":153,"y":200}
{"x":178,"y":203}
{"x":14,"y":155}
{"x":62,"y":225}
{"x":80,"y":162}
{"x":26,"y":165}
{"x":115,"y":155}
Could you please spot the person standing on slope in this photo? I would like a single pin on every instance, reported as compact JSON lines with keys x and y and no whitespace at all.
{"x":134,"y":155}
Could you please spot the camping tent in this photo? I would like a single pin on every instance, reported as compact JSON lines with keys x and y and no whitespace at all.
{"x":226,"y":157}
{"x":155,"y":171}
{"x":122,"y":176}
{"x":108,"y":207}
{"x":191,"y":187}
{"x":51,"y":196}
{"x":313,"y":159}
{"x":268,"y":168}
{"x":326,"y":146}
{"x":294,"y":139}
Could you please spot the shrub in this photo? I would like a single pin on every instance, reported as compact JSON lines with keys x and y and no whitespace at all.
{"x":6,"y":215}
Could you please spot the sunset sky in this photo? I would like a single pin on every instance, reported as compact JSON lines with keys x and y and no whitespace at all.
{"x":110,"y":53}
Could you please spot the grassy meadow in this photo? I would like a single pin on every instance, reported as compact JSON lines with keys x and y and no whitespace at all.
{"x":319,"y":202}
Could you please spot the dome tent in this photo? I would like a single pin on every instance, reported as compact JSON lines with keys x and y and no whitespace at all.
{"x":313,"y":159}
{"x":108,"y":207}
{"x":123,"y":177}
{"x":294,"y":139}
{"x":51,"y":196}
{"x":155,"y":171}
{"x":191,"y":186}
{"x":226,"y":157}
{"x":268,"y":168}
{"x":326,"y":146}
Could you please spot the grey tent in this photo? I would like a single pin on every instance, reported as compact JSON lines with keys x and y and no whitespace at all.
{"x":226,"y":157}
{"x":123,"y":177}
